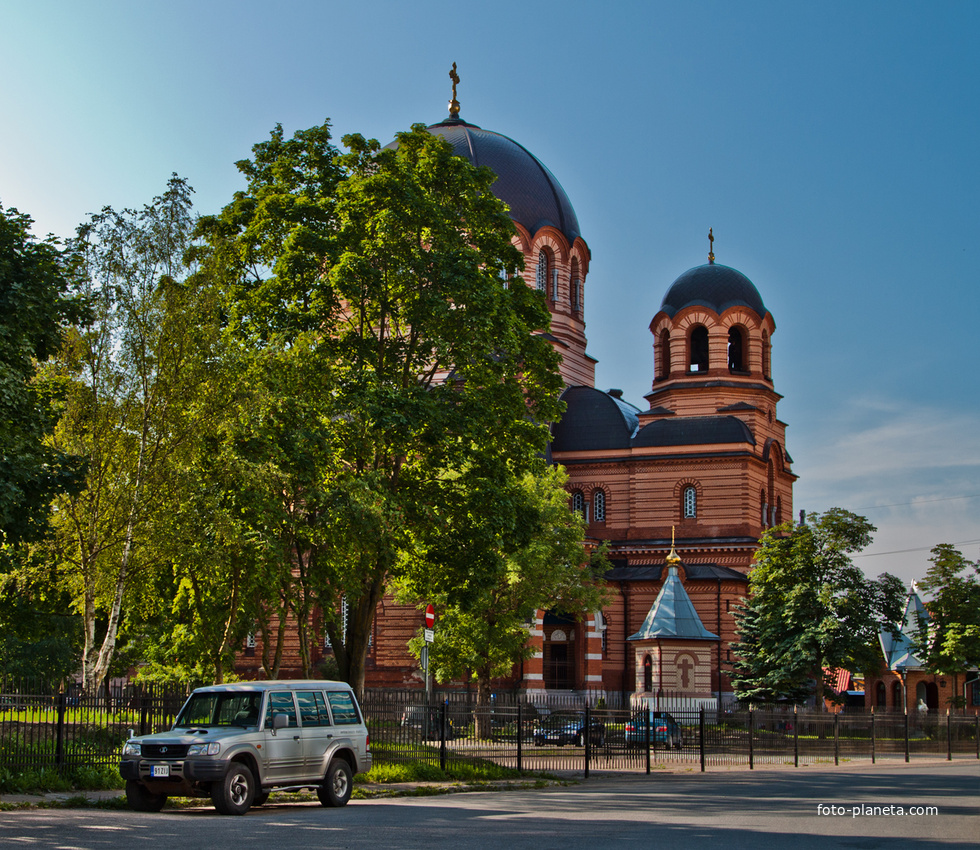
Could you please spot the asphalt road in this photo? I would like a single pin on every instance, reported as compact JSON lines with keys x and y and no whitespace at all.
{"x":730,"y":810}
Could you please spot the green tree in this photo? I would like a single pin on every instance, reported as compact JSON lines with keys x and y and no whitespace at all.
{"x":950,"y":643}
{"x":370,"y":284}
{"x":490,"y":562}
{"x":810,"y":609}
{"x":39,"y":638}
{"x":127,"y":378}
{"x":36,"y":308}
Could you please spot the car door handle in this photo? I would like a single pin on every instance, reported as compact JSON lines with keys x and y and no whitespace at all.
{"x":295,"y":737}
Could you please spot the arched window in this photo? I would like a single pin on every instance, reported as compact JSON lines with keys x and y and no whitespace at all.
{"x":578,"y":504}
{"x":736,"y":351}
{"x":763,"y":509}
{"x":344,"y":615}
{"x":663,"y":367}
{"x":690,"y":499}
{"x":599,"y":506}
{"x":647,"y":673}
{"x":699,"y":349}
{"x":542,"y":275}
{"x":779,"y":510}
{"x":880,"y":696}
{"x":897,"y":695}
{"x":766,"y":358}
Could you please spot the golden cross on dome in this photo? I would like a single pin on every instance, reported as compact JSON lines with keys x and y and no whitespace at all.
{"x":711,"y":246}
{"x":454,"y":104}
{"x":673,"y":558}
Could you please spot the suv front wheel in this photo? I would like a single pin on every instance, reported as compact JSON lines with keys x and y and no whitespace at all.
{"x":233,"y":795}
{"x":337,"y":785}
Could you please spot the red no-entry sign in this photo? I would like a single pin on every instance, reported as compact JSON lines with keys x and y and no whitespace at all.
{"x":430,"y":616}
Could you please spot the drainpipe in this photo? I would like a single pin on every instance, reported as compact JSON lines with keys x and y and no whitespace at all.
{"x":718,"y":606}
{"x":626,"y":633}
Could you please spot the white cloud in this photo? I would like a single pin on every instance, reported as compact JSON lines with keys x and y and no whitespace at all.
{"x":915,"y":473}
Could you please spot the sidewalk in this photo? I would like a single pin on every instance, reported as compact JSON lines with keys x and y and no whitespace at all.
{"x":59,"y":797}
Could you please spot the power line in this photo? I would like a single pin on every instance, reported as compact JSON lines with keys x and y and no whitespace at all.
{"x":918,"y":502}
{"x":919,"y":549}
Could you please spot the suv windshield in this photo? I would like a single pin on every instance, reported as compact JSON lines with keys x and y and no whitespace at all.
{"x":221,"y":709}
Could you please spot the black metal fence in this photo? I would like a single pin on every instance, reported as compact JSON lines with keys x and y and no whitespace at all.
{"x":562,"y":733}
{"x":43,"y":729}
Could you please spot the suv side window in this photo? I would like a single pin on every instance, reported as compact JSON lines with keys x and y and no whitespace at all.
{"x":280,"y":702}
{"x":343,"y":707}
{"x":312,"y":708}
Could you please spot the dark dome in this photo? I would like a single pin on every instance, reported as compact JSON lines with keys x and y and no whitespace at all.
{"x":693,"y":431}
{"x":593,"y":420}
{"x":531,"y":191}
{"x":713,"y":286}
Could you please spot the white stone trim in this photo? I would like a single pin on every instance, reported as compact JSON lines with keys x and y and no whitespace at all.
{"x":593,"y":656}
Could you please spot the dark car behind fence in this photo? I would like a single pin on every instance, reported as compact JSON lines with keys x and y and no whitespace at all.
{"x":43,"y":728}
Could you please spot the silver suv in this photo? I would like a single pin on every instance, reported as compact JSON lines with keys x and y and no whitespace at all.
{"x":236,"y":743}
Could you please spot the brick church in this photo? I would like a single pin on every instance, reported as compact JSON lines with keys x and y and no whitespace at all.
{"x":702,"y":460}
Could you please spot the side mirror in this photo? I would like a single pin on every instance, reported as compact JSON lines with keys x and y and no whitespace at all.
{"x":279,"y":721}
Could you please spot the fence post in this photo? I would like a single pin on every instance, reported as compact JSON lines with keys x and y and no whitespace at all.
{"x":59,"y":747}
{"x":751,"y":736}
{"x":520,"y":736}
{"x":949,"y":737}
{"x":906,"y":734}
{"x":701,"y":735}
{"x":587,"y":734}
{"x":442,"y":735}
{"x":872,"y":734}
{"x":144,"y":698}
{"x":976,"y":736}
{"x":796,"y":736}
{"x":647,"y":723}
{"x":836,"y":739}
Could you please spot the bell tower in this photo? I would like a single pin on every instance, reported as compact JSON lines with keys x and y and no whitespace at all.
{"x":712,"y":344}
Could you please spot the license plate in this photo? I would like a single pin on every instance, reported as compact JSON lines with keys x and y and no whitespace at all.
{"x":160,"y":770}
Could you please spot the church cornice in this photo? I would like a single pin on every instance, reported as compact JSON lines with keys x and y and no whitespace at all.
{"x":681,"y":383}
{"x":634,"y":458}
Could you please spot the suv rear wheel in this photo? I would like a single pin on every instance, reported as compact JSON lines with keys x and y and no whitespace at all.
{"x":337,"y":785}
{"x":233,"y":795}
{"x":141,"y":799}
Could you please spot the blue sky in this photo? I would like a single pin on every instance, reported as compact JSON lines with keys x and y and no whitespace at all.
{"x":831,"y":146}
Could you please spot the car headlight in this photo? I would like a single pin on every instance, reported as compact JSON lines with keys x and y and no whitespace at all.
{"x":131,"y":748}
{"x":210,"y":749}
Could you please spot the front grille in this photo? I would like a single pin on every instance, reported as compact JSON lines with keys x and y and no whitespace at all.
{"x":164,"y":751}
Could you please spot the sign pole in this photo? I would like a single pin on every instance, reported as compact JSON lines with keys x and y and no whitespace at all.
{"x":430,"y":619}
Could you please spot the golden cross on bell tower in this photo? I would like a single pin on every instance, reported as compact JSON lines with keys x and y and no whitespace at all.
{"x":711,"y":246}
{"x":454,"y":104}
